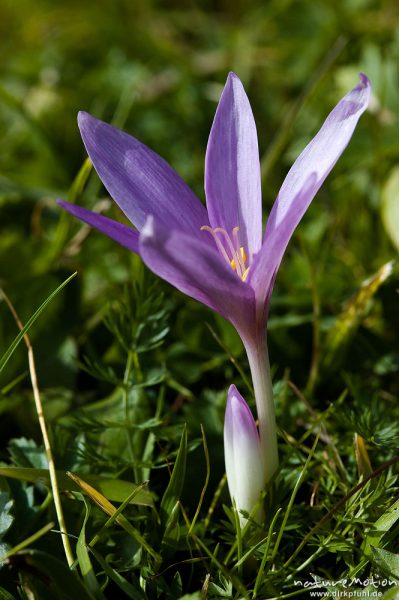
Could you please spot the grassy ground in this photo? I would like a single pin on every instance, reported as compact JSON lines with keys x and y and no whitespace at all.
{"x":132,"y":375}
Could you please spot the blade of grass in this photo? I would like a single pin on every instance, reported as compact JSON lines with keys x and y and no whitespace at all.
{"x":214,"y":502}
{"x":105,"y":505}
{"x":62,"y":582}
{"x":114,"y":489}
{"x":61,"y":231}
{"x":27,"y":542}
{"x":293,"y":496}
{"x":259,"y":577}
{"x":175,"y":486}
{"x":86,"y":568}
{"x":43,"y":428}
{"x":222,"y":568}
{"x":208,"y":472}
{"x":126,"y":587}
{"x":8,"y":353}
{"x":115,"y":515}
{"x":338,"y":505}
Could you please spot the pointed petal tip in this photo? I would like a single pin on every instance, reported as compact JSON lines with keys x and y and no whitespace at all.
{"x":232,"y":390}
{"x":232,"y":169}
{"x":82,"y":116}
{"x":233,"y":396}
{"x":364,"y":81}
{"x":361,"y":92}
{"x":231,"y":76}
{"x":238,"y":416}
{"x":85,"y":119}
{"x":234,"y":82}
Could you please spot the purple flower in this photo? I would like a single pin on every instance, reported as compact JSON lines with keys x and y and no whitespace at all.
{"x":218,"y":255}
{"x":242,"y":455}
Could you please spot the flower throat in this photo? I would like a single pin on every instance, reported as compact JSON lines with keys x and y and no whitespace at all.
{"x":230,"y":249}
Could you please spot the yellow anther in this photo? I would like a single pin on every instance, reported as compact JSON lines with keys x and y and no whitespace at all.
{"x":243,"y":256}
{"x":244,"y":275}
{"x":230,"y":249}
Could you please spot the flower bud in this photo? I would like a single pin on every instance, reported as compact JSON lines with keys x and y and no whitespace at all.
{"x":242,"y":453}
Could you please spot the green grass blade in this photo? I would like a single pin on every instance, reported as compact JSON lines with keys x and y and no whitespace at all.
{"x":175,"y":486}
{"x":8,"y":353}
{"x":4,"y":595}
{"x":121,"y":582}
{"x":30,"y":540}
{"x":116,"y":490}
{"x":56,"y":573}
{"x":86,"y":568}
{"x":375,"y":534}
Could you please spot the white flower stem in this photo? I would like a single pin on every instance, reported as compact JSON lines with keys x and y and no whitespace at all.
{"x":258,"y":358}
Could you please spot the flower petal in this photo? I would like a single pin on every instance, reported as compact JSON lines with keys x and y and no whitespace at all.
{"x":319,"y":157}
{"x":139,"y":180}
{"x":232,"y":171}
{"x":242,"y":453}
{"x":124,"y":235}
{"x":196,"y":269}
{"x":301,"y":185}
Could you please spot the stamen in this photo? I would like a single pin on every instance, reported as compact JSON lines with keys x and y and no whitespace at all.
{"x":244,"y":275}
{"x":243,"y":259}
{"x":240,"y":252}
{"x":217,"y":242}
{"x":236,"y":267}
{"x":238,"y":256}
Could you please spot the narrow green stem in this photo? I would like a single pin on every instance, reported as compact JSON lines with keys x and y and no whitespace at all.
{"x":30,"y":540}
{"x":258,"y":358}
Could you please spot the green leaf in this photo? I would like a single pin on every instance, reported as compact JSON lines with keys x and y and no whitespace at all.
{"x":8,"y":353}
{"x":383,"y":525}
{"x":86,"y":568}
{"x":172,"y":532}
{"x":387,"y":561}
{"x":55,"y":574}
{"x":173,"y":491}
{"x":7,"y":552}
{"x":132,"y":592}
{"x":108,"y":508}
{"x":375,"y":534}
{"x":6,"y":518}
{"x":113,"y":489}
{"x":25,"y":453}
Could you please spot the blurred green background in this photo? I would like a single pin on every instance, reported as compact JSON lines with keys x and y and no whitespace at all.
{"x":157,"y":69}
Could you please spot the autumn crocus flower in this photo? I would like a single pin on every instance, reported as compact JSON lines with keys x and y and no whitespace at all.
{"x":218,"y":255}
